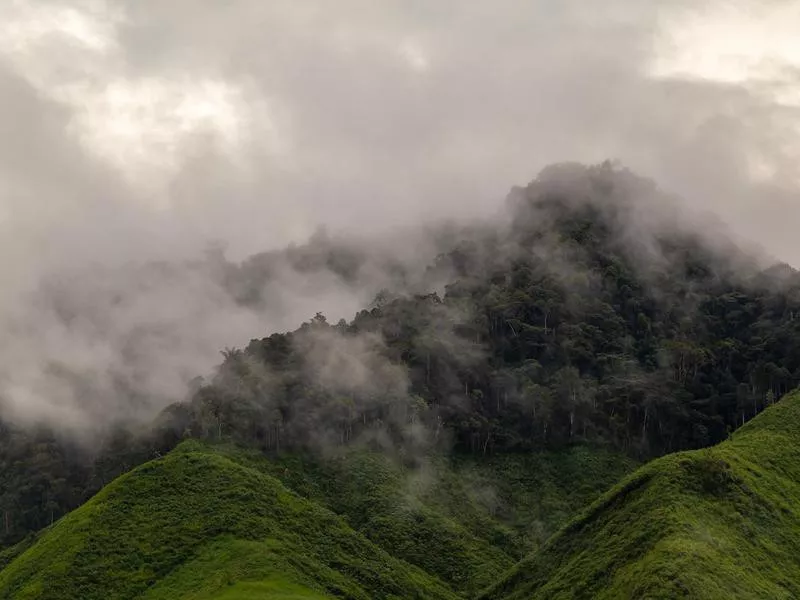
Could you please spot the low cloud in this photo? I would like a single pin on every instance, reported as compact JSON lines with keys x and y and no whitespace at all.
{"x":135,"y":134}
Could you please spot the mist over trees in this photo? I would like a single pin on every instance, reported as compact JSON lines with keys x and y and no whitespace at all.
{"x":595,"y":315}
{"x":593,"y":312}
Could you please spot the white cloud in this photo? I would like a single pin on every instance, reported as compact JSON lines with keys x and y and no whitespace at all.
{"x":732,"y":42}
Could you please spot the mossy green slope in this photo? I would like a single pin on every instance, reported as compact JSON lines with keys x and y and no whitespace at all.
{"x":211,"y":521}
{"x":711,"y":524}
{"x":199,"y":524}
{"x":462,"y":519}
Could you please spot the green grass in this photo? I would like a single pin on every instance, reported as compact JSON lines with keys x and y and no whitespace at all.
{"x":199,"y":524}
{"x":378,"y":498}
{"x":236,"y":569}
{"x":464,"y":520}
{"x":717,"y":523}
{"x":211,"y":522}
{"x":520,"y":500}
{"x":9,"y":554}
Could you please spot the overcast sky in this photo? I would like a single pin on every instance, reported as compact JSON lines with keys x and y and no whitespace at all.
{"x":143,"y":129}
{"x":254,"y":121}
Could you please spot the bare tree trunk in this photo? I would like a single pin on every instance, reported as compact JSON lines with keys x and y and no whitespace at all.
{"x":644,"y":423}
{"x":428,"y":367}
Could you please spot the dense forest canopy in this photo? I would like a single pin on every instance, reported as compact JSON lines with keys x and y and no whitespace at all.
{"x":593,"y":311}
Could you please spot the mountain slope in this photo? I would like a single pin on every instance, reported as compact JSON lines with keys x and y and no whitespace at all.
{"x":210,"y":520}
{"x":463,"y":520}
{"x":199,"y":524}
{"x":717,"y":523}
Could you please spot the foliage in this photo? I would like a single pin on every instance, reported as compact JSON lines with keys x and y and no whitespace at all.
{"x":464,"y":520}
{"x":716,"y":523}
{"x":197,"y":523}
{"x":43,"y":476}
{"x":572,"y":325}
{"x":578,"y":324}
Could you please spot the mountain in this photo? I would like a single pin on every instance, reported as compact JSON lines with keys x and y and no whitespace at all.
{"x":438,"y":436}
{"x":595,"y":313}
{"x":722,"y":522}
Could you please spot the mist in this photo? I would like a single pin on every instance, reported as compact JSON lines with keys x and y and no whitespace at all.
{"x":136,"y":135}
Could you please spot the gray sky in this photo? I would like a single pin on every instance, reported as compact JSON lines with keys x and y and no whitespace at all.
{"x":140,"y":130}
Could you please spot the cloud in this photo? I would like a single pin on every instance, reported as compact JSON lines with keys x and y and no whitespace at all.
{"x":138,"y":132}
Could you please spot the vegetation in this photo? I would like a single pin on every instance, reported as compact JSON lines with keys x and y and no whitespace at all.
{"x":424,"y":446}
{"x":464,"y":520}
{"x":206,"y":519}
{"x":578,"y":322}
{"x":722,"y":522}
{"x":197,"y":523}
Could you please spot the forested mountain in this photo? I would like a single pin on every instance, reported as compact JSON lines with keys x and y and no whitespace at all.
{"x":592,"y":313}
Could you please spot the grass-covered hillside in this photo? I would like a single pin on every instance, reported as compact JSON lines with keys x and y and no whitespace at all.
{"x":718,"y":523}
{"x":198,"y":524}
{"x":463,"y":520}
{"x":216,"y":521}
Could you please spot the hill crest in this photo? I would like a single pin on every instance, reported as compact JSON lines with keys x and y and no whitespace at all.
{"x":722,"y":522}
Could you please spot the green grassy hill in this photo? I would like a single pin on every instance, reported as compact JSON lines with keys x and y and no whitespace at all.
{"x":221,"y":522}
{"x":198,"y":524}
{"x":717,"y":523}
